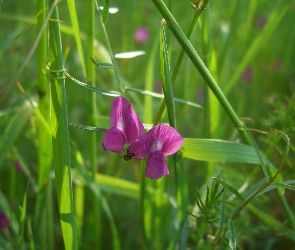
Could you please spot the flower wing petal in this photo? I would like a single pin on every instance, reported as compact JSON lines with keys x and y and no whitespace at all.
{"x":124,"y":118}
{"x":156,"y":165}
{"x":170,"y":139}
{"x":142,"y":146}
{"x":113,"y":140}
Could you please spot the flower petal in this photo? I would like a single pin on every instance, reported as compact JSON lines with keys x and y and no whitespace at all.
{"x":142,"y":146}
{"x":124,"y":118}
{"x":113,"y":140}
{"x":156,"y":165}
{"x":169,"y":138}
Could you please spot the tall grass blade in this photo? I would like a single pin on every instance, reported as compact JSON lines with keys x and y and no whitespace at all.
{"x":60,"y":137}
{"x":75,"y":24}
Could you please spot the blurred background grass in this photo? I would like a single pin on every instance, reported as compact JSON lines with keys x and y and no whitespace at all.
{"x":264,"y":87}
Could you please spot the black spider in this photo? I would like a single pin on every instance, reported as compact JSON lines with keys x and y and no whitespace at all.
{"x":127,"y":154}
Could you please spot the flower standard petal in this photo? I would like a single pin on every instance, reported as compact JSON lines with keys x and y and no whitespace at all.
{"x":156,"y":165}
{"x":124,"y":118}
{"x":113,"y":140}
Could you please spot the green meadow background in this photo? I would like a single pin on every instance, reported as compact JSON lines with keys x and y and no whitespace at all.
{"x":228,"y":77}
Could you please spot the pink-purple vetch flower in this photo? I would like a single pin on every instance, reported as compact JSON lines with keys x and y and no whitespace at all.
{"x":247,"y":75}
{"x":4,"y":221}
{"x":161,"y":140}
{"x":126,"y":126}
{"x":141,"y":35}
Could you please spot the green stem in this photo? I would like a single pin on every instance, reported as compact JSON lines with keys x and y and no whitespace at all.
{"x":196,"y":60}
{"x":60,"y":135}
{"x":92,"y":110}
{"x":121,"y":87}
{"x":43,"y":232}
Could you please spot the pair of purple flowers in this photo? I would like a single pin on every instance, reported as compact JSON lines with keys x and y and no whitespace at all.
{"x":126,"y":127}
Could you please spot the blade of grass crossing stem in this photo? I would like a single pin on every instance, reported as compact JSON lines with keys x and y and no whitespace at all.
{"x":60,"y":136}
{"x":196,"y":60}
{"x":181,"y":187}
{"x":75,"y":24}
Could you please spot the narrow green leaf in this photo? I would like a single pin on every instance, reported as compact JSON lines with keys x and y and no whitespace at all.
{"x":60,"y":136}
{"x":220,"y":151}
{"x":87,"y":127}
{"x":102,"y":65}
{"x":232,"y":242}
{"x":157,"y":95}
{"x":94,"y":89}
{"x":230,"y":188}
{"x":285,"y":184}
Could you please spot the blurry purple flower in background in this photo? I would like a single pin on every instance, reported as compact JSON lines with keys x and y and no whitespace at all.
{"x":158,"y":86}
{"x":4,"y":221}
{"x":261,"y":21}
{"x":201,"y":94}
{"x":18,"y":166}
{"x":277,"y":65}
{"x":141,"y":35}
{"x":161,"y":140}
{"x":126,"y":126}
{"x":247,"y":75}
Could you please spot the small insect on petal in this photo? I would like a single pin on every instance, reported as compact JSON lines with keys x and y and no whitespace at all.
{"x":113,"y":140}
{"x":128,"y":155}
{"x":156,"y":165}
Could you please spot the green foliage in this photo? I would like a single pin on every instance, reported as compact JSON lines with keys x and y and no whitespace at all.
{"x":203,"y":67}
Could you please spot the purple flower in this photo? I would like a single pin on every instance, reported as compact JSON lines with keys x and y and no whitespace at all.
{"x":141,"y":35}
{"x":247,"y":75}
{"x":4,"y":221}
{"x":126,"y":127}
{"x":261,"y":22}
{"x":18,"y":166}
{"x":161,"y":140}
